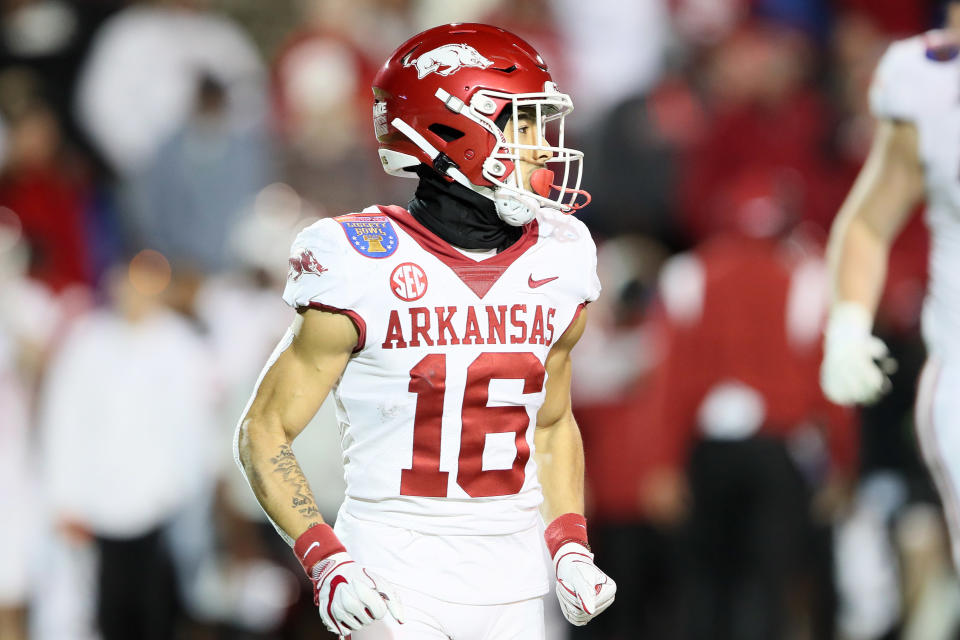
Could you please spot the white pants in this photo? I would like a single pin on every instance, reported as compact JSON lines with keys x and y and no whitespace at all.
{"x":473,"y":569}
{"x":428,"y":618}
{"x":937,"y":420}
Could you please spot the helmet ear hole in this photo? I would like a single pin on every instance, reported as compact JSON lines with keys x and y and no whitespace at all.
{"x":445,"y":133}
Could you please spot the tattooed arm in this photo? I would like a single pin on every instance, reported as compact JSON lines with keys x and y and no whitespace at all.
{"x":287,"y":397}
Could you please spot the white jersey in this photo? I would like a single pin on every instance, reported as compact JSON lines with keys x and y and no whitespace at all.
{"x":916,"y":81}
{"x":438,"y":405}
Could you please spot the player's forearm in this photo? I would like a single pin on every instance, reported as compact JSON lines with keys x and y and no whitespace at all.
{"x":858,"y":264}
{"x":275,"y":476}
{"x":888,"y":188}
{"x":559,"y":451}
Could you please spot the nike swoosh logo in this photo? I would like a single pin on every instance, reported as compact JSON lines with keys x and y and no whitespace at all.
{"x":309,"y":549}
{"x":539,"y":283}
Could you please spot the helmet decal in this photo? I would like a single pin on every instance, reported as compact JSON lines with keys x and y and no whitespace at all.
{"x":447,"y":60}
{"x":380,"y":119}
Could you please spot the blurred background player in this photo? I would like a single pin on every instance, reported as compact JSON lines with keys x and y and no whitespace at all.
{"x":439,"y":418}
{"x":911,"y":160}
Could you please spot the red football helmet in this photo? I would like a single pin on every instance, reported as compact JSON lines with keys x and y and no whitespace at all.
{"x":439,"y":98}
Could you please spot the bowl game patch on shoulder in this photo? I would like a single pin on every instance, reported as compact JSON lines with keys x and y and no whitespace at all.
{"x":942,"y":46}
{"x":372,"y":236}
{"x":943,"y":53}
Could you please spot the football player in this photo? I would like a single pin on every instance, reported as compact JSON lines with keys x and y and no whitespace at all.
{"x":444,"y":330}
{"x":915,"y":155}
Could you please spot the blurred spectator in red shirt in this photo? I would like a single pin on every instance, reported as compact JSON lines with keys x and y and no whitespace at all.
{"x":764,"y":115}
{"x":43,"y":185}
{"x":735,"y":399}
{"x":896,"y":18}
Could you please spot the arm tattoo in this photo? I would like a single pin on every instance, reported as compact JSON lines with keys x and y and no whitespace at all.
{"x":285,"y":465}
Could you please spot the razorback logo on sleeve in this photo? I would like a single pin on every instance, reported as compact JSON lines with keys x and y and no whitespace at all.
{"x":370,"y":236}
{"x":306,"y":262}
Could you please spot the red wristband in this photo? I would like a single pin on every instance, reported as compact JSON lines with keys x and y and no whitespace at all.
{"x":316,"y":543}
{"x":570,"y":527}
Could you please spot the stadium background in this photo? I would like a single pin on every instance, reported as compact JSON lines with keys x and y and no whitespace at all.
{"x":157,"y":157}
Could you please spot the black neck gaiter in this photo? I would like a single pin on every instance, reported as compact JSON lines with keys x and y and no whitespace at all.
{"x":458,"y":215}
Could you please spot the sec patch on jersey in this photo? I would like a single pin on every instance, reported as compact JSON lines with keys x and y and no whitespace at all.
{"x":371,"y":236}
{"x":408,"y":282}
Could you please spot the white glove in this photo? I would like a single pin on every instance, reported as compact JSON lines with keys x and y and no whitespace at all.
{"x":856,"y":364}
{"x":350,"y":597}
{"x":582,"y":589}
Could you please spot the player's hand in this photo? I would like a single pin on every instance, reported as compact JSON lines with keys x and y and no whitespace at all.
{"x":856,"y":365}
{"x":350,"y":597}
{"x":583,"y":590}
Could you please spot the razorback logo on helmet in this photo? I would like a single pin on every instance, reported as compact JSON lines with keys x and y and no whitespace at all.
{"x":306,"y":262}
{"x":447,"y":60}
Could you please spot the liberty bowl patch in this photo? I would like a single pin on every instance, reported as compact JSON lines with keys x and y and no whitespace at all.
{"x":372,"y":236}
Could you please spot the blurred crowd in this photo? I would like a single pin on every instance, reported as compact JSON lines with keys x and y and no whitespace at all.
{"x":157,"y":159}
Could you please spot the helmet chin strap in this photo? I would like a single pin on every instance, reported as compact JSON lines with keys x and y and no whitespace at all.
{"x":434,"y":153}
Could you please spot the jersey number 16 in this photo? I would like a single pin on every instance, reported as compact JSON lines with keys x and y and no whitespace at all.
{"x":428,"y":381}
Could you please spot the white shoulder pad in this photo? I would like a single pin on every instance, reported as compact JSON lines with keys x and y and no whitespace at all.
{"x":325,"y":270}
{"x":898,"y":87}
{"x":581,"y":256}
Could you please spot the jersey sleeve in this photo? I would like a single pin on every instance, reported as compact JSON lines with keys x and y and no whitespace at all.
{"x":577,"y":252}
{"x":897,"y":82}
{"x":321,"y":273}
{"x":591,"y":288}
